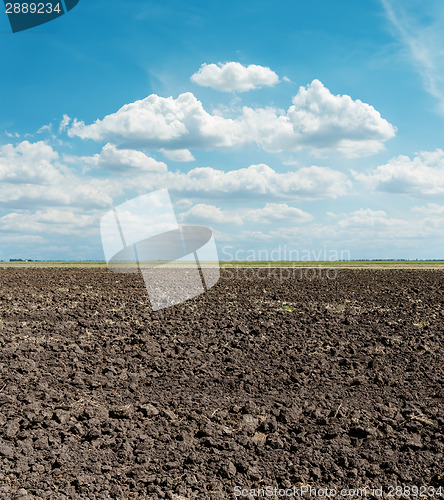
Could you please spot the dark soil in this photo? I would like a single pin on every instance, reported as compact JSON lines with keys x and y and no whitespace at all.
{"x":261,"y":381}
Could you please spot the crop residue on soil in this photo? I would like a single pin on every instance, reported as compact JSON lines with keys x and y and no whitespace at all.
{"x":260,"y":381}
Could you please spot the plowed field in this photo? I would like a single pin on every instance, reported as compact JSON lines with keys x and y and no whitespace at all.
{"x":272,"y":378}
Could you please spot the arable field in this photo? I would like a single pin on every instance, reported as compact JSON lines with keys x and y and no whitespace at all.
{"x":287,"y":378}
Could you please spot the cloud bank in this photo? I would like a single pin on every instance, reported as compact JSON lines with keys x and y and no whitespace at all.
{"x":316,"y":120}
{"x":260,"y":181}
{"x":421,"y":176}
{"x":270,"y":213}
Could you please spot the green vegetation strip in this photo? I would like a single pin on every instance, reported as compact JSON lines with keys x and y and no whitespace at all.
{"x":361,"y":264}
{"x":358,"y":264}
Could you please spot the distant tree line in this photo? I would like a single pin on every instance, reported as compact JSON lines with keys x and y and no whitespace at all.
{"x":22,"y":260}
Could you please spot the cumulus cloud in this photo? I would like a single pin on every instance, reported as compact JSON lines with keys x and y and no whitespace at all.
{"x":50,"y":221}
{"x":432,"y":216}
{"x":364,"y":228}
{"x":277,"y":212}
{"x":210,"y":214}
{"x":29,"y":163}
{"x":122,"y":160}
{"x":87,"y":194}
{"x":271,"y":212}
{"x":371,"y":225}
{"x":431,"y":210}
{"x":182,"y":155}
{"x":421,"y":176}
{"x":50,"y":233}
{"x":366,"y":217}
{"x":32,"y":175}
{"x":320,"y":120}
{"x":254,"y":182}
{"x":261,"y":181}
{"x":234,"y":77}
{"x":118,"y":161}
{"x":63,"y":125}
{"x":161,"y":122}
{"x":317,"y":120}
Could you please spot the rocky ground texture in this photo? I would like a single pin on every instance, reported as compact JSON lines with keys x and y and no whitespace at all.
{"x":273,"y":378}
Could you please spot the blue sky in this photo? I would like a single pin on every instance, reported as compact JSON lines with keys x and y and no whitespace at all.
{"x":300,"y":126}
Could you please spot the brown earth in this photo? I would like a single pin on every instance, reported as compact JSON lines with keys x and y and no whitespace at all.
{"x":262,"y":381}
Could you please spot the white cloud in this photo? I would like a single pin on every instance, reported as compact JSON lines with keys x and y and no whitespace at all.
{"x":261,"y":180}
{"x":432,"y":216}
{"x":46,"y":198}
{"x":366,"y":217}
{"x":365,"y":229}
{"x":26,"y":240}
{"x":122,"y":160}
{"x":60,"y":233}
{"x":116,"y":160}
{"x":421,"y":176}
{"x":271,"y":212}
{"x":210,"y":214}
{"x":431,"y":210}
{"x":184,"y":203}
{"x":45,"y":128}
{"x":72,"y":191}
{"x":51,"y":221}
{"x":182,"y":155}
{"x":64,"y":123}
{"x":252,"y":236}
{"x":234,"y":77}
{"x":317,"y":120}
{"x":11,"y":134}
{"x":32,"y":176}
{"x":277,"y":212}
{"x":29,"y":163}
{"x":368,"y":225}
{"x":162,"y":122}
{"x":371,"y":226}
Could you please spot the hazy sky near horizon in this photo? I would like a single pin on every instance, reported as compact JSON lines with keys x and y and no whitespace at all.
{"x":306,"y":126}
